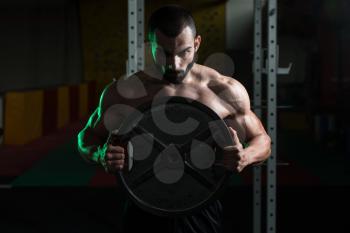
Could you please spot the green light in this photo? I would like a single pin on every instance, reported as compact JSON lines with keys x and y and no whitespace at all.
{"x":245,"y":144}
{"x":94,"y":151}
{"x":153,"y":41}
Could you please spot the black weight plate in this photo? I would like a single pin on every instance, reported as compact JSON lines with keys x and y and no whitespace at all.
{"x":174,"y":153}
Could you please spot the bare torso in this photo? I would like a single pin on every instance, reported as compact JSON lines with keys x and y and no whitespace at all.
{"x":203,"y":84}
{"x":224,"y":95}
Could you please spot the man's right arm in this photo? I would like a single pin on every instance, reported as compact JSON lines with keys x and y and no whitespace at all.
{"x":92,"y":139}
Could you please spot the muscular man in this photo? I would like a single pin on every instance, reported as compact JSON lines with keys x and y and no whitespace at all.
{"x":174,"y":46}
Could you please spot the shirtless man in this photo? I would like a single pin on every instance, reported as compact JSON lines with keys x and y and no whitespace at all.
{"x":174,"y":45}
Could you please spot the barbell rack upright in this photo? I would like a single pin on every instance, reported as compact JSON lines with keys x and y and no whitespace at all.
{"x":257,"y":71}
{"x":136,"y":54}
{"x":272,"y":71}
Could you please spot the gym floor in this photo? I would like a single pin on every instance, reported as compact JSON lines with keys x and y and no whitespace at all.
{"x":300,"y":209}
{"x":82,"y":198}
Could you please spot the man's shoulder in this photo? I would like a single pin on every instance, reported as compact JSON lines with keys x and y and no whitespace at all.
{"x":206,"y":73}
{"x":214,"y":79}
{"x":107,"y":94}
{"x":125,"y":88}
{"x":229,"y":89}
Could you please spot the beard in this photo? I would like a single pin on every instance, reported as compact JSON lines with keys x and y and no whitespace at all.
{"x":177,"y":76}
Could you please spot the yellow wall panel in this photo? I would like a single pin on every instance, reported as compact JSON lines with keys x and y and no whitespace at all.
{"x":104,"y":39}
{"x":210,"y":22}
{"x":23,"y":117}
{"x":63,"y":106}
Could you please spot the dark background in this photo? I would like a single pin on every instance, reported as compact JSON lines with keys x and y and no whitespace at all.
{"x":47,"y":46}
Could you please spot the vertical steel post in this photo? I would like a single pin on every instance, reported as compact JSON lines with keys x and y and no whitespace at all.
{"x":132,"y":37}
{"x":257,"y":70}
{"x":140,"y":35}
{"x":272,"y":71}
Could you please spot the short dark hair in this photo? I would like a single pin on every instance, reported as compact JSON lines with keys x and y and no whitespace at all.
{"x":170,"y":20}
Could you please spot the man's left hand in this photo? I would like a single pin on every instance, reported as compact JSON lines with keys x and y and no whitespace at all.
{"x":235,"y":158}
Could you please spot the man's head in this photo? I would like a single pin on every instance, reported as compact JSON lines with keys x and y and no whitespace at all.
{"x":174,"y":41}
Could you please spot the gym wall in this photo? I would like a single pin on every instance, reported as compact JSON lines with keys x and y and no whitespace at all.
{"x":29,"y":115}
{"x":104,"y":34}
{"x":39,"y":44}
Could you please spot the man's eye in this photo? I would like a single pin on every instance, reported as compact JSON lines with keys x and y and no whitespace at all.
{"x":184,"y":53}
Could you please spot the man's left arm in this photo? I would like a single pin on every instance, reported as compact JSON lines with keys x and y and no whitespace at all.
{"x":258,"y":142}
{"x":251,"y":130}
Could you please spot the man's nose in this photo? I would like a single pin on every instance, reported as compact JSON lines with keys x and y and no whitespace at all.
{"x":173,"y":62}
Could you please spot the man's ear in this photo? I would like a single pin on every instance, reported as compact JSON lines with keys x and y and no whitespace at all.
{"x":197,"y":42}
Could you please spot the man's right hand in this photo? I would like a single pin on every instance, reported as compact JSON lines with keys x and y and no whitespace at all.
{"x":114,"y":158}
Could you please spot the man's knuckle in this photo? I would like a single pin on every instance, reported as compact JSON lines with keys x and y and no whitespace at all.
{"x":120,"y":149}
{"x":119,"y":162}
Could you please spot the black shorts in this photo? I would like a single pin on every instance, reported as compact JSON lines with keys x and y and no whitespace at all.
{"x":206,"y":220}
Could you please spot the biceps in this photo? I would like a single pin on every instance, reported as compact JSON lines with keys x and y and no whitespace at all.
{"x":252,"y":125}
{"x":94,"y":132}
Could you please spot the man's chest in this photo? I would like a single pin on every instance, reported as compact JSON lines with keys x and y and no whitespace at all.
{"x":199,"y":93}
{"x":119,"y":110}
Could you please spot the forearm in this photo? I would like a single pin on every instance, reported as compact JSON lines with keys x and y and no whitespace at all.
{"x":89,"y":149}
{"x":259,"y":149}
{"x":91,"y":154}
